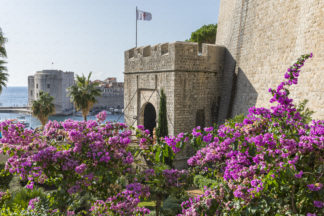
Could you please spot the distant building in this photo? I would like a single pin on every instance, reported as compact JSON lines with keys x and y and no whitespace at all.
{"x":55,"y":82}
{"x":112,"y":94}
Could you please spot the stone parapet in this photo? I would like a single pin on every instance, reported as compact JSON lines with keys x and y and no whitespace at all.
{"x":177,"y":56}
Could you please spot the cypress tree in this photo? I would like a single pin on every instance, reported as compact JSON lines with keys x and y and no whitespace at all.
{"x":162,"y":129}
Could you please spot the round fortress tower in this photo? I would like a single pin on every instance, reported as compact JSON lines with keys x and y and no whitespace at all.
{"x":55,"y":82}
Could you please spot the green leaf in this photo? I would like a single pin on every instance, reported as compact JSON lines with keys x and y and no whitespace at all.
{"x":157,"y":155}
{"x":166,"y":151}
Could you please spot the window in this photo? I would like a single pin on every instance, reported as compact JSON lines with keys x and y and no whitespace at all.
{"x":37,"y":86}
{"x":48,"y":85}
{"x":31,"y":92}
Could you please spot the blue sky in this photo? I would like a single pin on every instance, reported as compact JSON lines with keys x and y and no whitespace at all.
{"x":91,"y":35}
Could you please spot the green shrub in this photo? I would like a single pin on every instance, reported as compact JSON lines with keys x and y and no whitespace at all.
{"x":237,"y":119}
{"x":15,"y":211}
{"x":201,"y":182}
{"x":39,"y":210}
{"x":172,"y":205}
{"x":305,"y":112}
{"x":152,"y":213}
{"x":5,"y":177}
{"x":147,"y":204}
{"x":21,"y":197}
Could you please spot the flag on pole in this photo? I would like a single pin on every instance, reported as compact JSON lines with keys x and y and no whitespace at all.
{"x":143,"y":15}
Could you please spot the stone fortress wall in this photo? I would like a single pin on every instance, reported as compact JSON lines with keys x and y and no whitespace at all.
{"x":110,"y":98}
{"x":262,"y":39}
{"x":189,"y":79}
{"x":54,"y":82}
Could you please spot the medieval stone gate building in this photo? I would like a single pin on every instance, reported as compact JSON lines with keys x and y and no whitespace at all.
{"x":190,"y":80}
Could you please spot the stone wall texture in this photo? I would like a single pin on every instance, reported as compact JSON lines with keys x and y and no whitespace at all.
{"x":263,"y":38}
{"x":110,"y":98}
{"x":110,"y":101}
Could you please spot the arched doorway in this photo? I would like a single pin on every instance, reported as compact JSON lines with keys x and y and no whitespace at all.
{"x":149,"y":117}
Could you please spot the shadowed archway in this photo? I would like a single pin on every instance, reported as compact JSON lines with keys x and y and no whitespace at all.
{"x":149,"y":117}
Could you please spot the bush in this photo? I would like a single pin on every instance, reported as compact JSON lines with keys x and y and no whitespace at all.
{"x":5,"y":177}
{"x":202,"y":182}
{"x":305,"y":112}
{"x":172,"y":205}
{"x":21,"y":197}
{"x":152,"y":213}
{"x":91,"y":158}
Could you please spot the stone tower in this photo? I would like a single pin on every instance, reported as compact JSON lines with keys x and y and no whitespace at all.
{"x":190,"y":80}
{"x":55,"y":82}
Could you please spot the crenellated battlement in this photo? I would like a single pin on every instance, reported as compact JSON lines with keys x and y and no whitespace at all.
{"x":177,"y":56}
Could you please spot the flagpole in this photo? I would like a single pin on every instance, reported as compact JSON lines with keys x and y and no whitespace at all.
{"x":136,"y":29}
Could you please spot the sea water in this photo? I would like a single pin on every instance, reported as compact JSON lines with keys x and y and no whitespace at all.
{"x":18,"y":97}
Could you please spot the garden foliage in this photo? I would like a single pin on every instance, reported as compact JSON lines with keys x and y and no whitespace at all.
{"x":269,"y":162}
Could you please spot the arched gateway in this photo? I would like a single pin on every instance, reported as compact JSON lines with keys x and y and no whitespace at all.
{"x":149,"y":117}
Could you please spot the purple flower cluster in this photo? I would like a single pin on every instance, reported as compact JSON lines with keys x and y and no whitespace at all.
{"x":72,"y":149}
{"x":173,"y":177}
{"x":315,"y":187}
{"x":194,"y":206}
{"x":124,"y":203}
{"x":32,"y":203}
{"x":175,"y":142}
{"x":101,"y":117}
{"x":318,"y":204}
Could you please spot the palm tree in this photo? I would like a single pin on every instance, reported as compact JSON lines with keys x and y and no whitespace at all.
{"x":43,"y":107}
{"x":3,"y":75}
{"x":3,"y":53}
{"x":3,"y":40}
{"x":83,"y":94}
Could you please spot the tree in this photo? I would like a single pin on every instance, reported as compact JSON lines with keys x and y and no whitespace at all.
{"x":3,"y":40}
{"x":3,"y":68}
{"x":163,"y":151}
{"x":162,"y":129}
{"x":43,"y":107}
{"x":83,"y":94}
{"x":205,"y":34}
